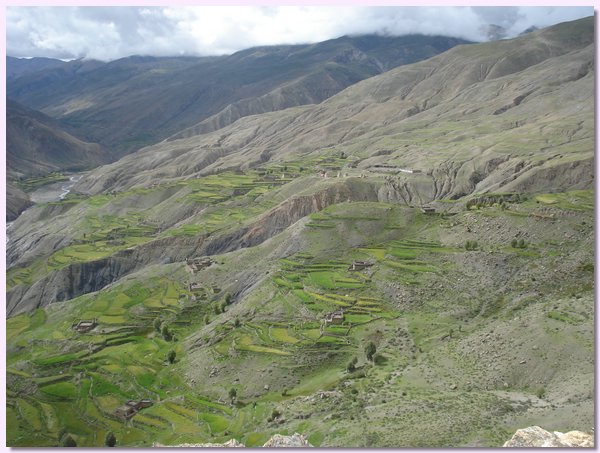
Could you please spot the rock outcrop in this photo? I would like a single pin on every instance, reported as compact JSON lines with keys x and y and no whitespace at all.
{"x":16,"y":202}
{"x":534,"y":436}
{"x":294,"y":441}
{"x":277,"y":441}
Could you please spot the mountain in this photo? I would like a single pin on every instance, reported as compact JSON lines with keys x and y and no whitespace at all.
{"x":16,"y":202}
{"x":408,"y":263}
{"x":476,"y":118}
{"x":529,"y":30}
{"x":494,"y":32}
{"x":18,"y":67}
{"x":135,"y":101}
{"x":35,"y":145}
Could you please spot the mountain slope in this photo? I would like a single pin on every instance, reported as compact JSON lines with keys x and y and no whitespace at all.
{"x":18,"y":67}
{"x":481,"y":118}
{"x":36,"y":146}
{"x":135,"y":101}
{"x":524,"y":124}
{"x":16,"y":202}
{"x":480,"y":313}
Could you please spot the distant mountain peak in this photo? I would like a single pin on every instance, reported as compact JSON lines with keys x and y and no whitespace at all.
{"x":529,"y":30}
{"x":494,"y":32}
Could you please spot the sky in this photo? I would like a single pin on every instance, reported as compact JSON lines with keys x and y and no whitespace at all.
{"x":108,"y":33}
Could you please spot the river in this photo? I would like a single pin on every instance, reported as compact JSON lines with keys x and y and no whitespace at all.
{"x":51,"y":192}
{"x":55,"y":191}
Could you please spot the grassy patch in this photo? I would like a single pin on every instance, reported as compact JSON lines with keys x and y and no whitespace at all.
{"x":282,"y":335}
{"x":60,"y":390}
{"x":217,"y":423}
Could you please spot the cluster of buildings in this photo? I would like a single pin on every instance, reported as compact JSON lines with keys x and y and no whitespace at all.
{"x":85,"y":325}
{"x":131,"y":407}
{"x":197,"y":264}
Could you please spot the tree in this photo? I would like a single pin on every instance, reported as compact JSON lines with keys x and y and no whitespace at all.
{"x":228,"y":298}
{"x":232,"y":394}
{"x":67,"y":441}
{"x":237,"y":323}
{"x":165,"y":332}
{"x":514,"y":243}
{"x":157,"y":323}
{"x":351,"y":367}
{"x":370,"y":350}
{"x":171,"y":356}
{"x":206,"y":319}
{"x":110,"y":440}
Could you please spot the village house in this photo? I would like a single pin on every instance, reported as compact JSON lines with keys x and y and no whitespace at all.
{"x":241,"y":191}
{"x":197,"y":264}
{"x":85,"y":325}
{"x":132,"y":407}
{"x":336,"y":317}
{"x":359,"y":265}
{"x":427,"y":210}
{"x":195,"y":286}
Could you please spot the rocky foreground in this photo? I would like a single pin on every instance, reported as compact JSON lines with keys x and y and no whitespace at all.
{"x":534,"y":436}
{"x":277,"y":441}
{"x":530,"y":437}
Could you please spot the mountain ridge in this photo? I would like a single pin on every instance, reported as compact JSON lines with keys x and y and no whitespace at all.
{"x":189,"y":90}
{"x":409,"y":263}
{"x":36,"y":145}
{"x":357,"y":117}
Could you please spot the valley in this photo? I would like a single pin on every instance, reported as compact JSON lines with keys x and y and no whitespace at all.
{"x":407,"y":263}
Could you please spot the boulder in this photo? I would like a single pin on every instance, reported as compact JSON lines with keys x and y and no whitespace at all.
{"x":534,"y":436}
{"x":294,"y":441}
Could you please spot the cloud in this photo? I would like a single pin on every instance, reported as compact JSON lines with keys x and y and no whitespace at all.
{"x":107,"y":33}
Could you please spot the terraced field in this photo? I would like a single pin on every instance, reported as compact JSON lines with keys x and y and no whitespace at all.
{"x":274,"y":346}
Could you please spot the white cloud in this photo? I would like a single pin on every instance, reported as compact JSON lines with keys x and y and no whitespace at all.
{"x":107,"y":33}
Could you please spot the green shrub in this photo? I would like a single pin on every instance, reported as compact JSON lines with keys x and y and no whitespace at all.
{"x":171,"y":356}
{"x":110,"y":440}
{"x":370,"y":350}
{"x":165,"y":332}
{"x":67,"y":441}
{"x":351,"y":367}
{"x":540,"y":392}
{"x":471,"y":245}
{"x":232,"y":394}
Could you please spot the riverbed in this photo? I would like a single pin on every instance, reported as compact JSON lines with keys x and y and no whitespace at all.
{"x":55,"y":191}
{"x":51,"y":192}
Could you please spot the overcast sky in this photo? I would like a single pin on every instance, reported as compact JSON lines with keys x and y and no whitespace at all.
{"x":107,"y":33}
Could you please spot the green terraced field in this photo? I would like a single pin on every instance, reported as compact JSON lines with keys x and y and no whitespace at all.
{"x":80,"y":379}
